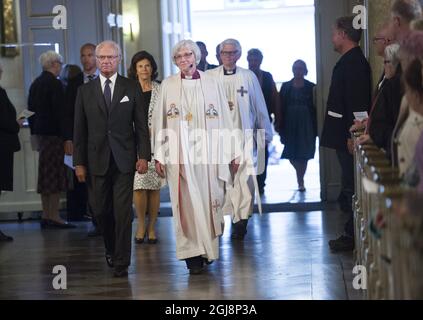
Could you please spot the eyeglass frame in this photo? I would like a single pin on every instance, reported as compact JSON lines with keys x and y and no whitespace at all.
{"x":103,"y":58}
{"x":186,"y":56}
{"x":229,"y":53}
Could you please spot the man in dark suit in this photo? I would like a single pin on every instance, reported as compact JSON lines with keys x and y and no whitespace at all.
{"x":350,"y":92}
{"x":77,"y":198}
{"x":270,"y":93}
{"x":110,"y":134}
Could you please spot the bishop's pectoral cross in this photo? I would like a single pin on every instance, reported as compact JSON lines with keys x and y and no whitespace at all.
{"x":242,"y":91}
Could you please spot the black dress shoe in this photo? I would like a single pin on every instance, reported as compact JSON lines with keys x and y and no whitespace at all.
{"x":5,"y":238}
{"x":208,"y":262}
{"x":120,"y":272}
{"x":109,"y":260}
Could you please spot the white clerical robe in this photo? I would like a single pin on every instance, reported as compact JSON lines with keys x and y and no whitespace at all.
{"x":193,"y":111}
{"x":249,"y":112}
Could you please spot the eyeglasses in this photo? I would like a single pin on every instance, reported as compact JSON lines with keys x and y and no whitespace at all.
{"x":185,"y":56}
{"x":102,"y":58}
{"x":229,"y":53}
{"x":387,"y":61}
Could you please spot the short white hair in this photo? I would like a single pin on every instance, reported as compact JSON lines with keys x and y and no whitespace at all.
{"x":232,"y":42}
{"x":109,"y":43}
{"x":187,"y":44}
{"x":48,"y":58}
{"x":392,"y":54}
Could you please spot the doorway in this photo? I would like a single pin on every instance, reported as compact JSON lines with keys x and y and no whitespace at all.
{"x":284,"y":30}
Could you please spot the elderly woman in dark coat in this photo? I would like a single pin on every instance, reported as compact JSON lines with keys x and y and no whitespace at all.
{"x":46,"y":99}
{"x":9,"y":144}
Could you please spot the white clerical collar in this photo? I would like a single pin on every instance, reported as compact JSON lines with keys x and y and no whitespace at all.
{"x":229,"y":72}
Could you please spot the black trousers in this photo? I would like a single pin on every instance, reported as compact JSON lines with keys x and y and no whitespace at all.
{"x":346,"y":160}
{"x":261,"y":178}
{"x":112,"y":200}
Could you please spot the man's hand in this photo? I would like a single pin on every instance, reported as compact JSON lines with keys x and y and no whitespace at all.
{"x":160,"y":169}
{"x":68,"y":147}
{"x":81,"y":173}
{"x":142,"y":166}
{"x":235,"y":166}
{"x":364,"y":139}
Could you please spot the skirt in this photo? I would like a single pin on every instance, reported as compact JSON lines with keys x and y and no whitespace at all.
{"x":51,"y":167}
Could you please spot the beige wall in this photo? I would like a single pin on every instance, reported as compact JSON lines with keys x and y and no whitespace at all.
{"x":146,"y":32}
{"x":12,"y":79}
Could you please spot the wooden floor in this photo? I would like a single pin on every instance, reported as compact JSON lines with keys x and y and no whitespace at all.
{"x":284,"y":256}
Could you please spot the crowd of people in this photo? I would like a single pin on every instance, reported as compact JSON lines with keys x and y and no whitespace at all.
{"x":128,"y":137}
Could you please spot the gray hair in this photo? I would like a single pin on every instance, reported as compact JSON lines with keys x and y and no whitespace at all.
{"x":232,"y":42}
{"x":392,"y":54}
{"x":187,"y":44}
{"x":48,"y":58}
{"x":111,"y":44}
{"x":408,"y":10}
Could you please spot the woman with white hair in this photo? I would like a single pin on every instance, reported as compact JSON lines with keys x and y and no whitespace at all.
{"x":190,"y":109}
{"x":386,"y":106}
{"x":46,"y":99}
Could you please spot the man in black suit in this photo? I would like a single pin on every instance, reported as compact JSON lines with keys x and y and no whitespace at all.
{"x":110,"y":134}
{"x":78,"y":198}
{"x":350,"y":92}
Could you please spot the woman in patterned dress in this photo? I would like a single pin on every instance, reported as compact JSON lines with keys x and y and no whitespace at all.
{"x":146,"y":186}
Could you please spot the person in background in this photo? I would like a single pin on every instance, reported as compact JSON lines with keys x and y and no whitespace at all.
{"x":9,"y":144}
{"x":204,"y":65}
{"x":79,"y":202}
{"x":46,"y":99}
{"x":298,"y":125}
{"x":270,"y":93}
{"x":350,"y":92}
{"x":250,"y":117}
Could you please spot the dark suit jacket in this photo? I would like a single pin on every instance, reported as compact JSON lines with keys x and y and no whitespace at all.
{"x":69,"y":109}
{"x":385,"y":113}
{"x":123,"y":131}
{"x":46,"y":99}
{"x":350,"y":91}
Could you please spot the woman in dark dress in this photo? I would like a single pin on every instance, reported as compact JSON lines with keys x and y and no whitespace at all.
{"x":298,"y":125}
{"x":9,"y":144}
{"x":46,"y":99}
